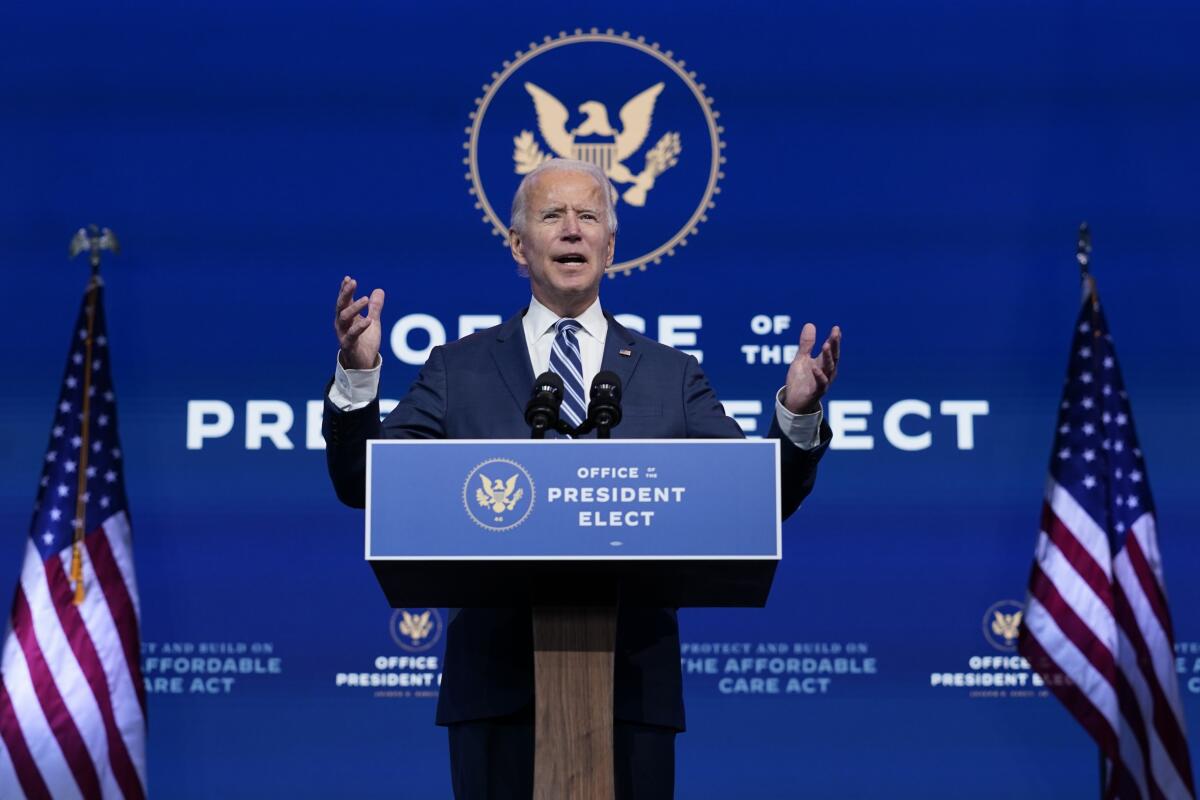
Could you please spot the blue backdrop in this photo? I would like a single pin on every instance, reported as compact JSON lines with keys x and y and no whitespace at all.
{"x":913,"y":172}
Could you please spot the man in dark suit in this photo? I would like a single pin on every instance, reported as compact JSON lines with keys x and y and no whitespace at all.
{"x":563,"y":236}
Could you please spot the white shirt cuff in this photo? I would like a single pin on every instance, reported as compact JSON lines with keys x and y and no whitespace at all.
{"x":802,"y":430}
{"x":353,"y":389}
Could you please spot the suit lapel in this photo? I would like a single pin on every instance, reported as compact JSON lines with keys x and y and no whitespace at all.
{"x":511,"y":354}
{"x":618,"y":342}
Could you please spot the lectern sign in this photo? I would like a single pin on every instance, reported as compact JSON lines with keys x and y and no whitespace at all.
{"x":572,"y":499}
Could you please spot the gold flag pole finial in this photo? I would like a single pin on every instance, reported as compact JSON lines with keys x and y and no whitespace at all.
{"x":92,"y":240}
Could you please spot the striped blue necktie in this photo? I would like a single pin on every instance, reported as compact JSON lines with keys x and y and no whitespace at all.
{"x":566,"y":362}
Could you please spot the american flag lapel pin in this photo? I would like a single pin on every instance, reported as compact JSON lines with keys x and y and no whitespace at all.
{"x":626,"y":353}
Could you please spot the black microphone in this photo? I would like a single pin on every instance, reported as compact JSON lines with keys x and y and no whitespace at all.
{"x":542,"y":411}
{"x":604,"y":412}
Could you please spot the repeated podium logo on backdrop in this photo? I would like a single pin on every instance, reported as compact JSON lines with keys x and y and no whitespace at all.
{"x":1000,"y":673}
{"x":1002,"y":625}
{"x":411,"y":674}
{"x":416,"y":630}
{"x":614,"y":100}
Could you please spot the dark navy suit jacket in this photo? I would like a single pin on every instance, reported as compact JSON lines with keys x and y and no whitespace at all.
{"x":477,"y":388}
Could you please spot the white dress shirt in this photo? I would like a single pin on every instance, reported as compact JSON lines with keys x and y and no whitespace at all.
{"x":355,"y":388}
{"x":539,"y":324}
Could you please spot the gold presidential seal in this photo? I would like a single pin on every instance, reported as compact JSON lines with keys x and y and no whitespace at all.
{"x":664,"y":156}
{"x":1002,"y":624}
{"x":498,"y":494}
{"x":416,"y":629}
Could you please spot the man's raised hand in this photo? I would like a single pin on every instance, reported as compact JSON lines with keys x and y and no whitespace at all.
{"x":808,"y":378}
{"x":358,"y":335}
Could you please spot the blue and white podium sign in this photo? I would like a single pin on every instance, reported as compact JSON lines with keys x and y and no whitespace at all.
{"x":538,"y":506}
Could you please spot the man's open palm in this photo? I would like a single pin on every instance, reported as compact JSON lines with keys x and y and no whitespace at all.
{"x":358,"y":335}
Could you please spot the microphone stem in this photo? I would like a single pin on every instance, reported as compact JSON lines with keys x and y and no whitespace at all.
{"x":603,"y":425}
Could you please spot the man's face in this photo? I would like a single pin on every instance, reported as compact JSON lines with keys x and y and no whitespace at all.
{"x":566,"y":243}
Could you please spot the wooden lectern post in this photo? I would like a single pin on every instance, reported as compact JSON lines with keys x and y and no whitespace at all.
{"x":573,"y":702}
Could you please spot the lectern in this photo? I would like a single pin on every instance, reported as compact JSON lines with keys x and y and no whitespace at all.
{"x":571,"y":529}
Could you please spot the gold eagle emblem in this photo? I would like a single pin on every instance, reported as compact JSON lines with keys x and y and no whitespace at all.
{"x":498,"y":495}
{"x":1007,"y":626}
{"x":415,"y":626}
{"x":597,"y":142}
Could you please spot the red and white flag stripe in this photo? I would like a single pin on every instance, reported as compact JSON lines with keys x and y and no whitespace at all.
{"x":1098,"y":630}
{"x":72,"y":703}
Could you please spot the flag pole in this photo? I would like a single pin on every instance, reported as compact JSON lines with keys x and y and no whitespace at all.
{"x":1083,"y":255}
{"x":92,"y":240}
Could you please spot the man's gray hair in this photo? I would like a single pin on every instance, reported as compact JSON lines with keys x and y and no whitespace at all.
{"x":520,"y":201}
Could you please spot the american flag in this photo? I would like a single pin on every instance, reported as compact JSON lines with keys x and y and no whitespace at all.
{"x":1096,"y":626}
{"x":72,"y":701}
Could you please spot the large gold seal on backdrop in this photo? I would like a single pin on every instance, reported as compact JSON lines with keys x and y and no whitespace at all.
{"x":613,"y":100}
